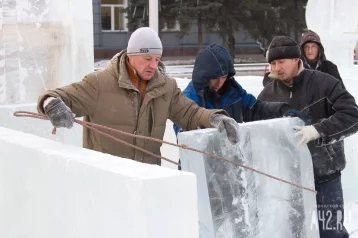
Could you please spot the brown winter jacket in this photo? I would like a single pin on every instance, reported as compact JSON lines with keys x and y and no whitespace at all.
{"x":108,"y":97}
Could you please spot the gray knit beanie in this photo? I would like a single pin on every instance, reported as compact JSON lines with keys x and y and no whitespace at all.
{"x":144,"y":41}
{"x":282,"y":47}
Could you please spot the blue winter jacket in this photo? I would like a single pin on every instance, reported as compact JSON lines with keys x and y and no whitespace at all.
{"x":214,"y":62}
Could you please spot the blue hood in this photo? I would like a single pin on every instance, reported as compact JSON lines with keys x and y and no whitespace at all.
{"x":212,"y":62}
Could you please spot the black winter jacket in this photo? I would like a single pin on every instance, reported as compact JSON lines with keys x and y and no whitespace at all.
{"x":331,"y":109}
{"x":325,"y":66}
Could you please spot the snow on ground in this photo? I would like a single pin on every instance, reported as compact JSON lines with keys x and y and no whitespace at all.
{"x":351,"y":219}
{"x":241,"y":59}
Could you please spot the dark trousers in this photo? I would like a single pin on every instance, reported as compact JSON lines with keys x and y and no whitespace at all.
{"x":330,"y":210}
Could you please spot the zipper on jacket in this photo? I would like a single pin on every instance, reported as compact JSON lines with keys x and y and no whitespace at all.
{"x":136,"y":128}
{"x":138,"y":110}
{"x":139,"y":83}
{"x":290,"y":93}
{"x":140,"y":94}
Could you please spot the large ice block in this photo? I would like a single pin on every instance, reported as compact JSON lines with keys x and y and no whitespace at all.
{"x":43,"y":45}
{"x":236,"y":202}
{"x":49,"y":189}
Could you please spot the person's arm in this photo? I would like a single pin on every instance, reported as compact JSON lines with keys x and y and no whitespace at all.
{"x":343,"y":121}
{"x":263,"y":110}
{"x":80,"y":97}
{"x":190,"y":93}
{"x":254,"y":110}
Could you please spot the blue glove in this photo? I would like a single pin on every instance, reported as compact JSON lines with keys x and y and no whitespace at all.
{"x":299,"y":114}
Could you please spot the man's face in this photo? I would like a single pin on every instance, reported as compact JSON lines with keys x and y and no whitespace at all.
{"x":311,"y":51}
{"x":216,"y":84}
{"x":145,"y":65}
{"x":285,"y":69}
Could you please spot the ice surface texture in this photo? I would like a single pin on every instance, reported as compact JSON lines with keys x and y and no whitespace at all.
{"x":49,"y":189}
{"x":36,"y":126}
{"x":43,"y":45}
{"x":235,"y":202}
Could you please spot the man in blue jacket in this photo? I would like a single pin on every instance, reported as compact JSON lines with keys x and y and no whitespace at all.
{"x":213,"y":86}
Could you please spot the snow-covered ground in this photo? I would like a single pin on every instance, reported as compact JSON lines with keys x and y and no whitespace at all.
{"x":185,"y":70}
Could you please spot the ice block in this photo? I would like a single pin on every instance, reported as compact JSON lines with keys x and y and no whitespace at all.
{"x":236,"y":202}
{"x":43,"y":45}
{"x":49,"y":189}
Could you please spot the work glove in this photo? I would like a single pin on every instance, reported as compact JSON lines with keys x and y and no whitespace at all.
{"x":308,"y":134}
{"x":59,"y":114}
{"x":299,"y":114}
{"x":222,"y":122}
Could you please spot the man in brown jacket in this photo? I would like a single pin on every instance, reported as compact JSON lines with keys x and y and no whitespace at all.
{"x":131,"y":94}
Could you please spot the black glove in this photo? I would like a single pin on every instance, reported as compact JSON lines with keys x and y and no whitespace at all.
{"x":59,"y":114}
{"x":299,"y":114}
{"x":222,"y":122}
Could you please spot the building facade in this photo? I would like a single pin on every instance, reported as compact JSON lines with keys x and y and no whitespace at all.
{"x":111,"y":34}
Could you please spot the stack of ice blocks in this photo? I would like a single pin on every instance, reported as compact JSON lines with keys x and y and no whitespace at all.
{"x":235,"y":202}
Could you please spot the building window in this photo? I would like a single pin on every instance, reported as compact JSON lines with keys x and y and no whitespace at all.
{"x":112,"y":16}
{"x":170,"y":25}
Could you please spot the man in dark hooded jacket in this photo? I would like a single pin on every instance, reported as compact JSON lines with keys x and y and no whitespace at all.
{"x":313,"y":56}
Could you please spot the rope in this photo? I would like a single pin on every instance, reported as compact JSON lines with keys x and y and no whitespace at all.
{"x":96,"y":128}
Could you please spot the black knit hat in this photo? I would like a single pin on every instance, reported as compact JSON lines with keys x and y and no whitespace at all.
{"x":282,"y":47}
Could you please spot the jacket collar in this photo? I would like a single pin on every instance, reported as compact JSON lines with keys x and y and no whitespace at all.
{"x":298,"y":77}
